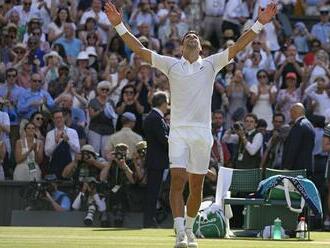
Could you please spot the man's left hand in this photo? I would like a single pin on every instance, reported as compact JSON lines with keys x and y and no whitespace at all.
{"x":266,"y":15}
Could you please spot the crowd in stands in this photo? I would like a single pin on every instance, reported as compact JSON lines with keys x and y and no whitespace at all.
{"x":68,"y":82}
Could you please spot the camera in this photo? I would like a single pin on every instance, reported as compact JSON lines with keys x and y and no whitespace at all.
{"x":237,"y":126}
{"x":120,"y":152}
{"x":89,"y":218}
{"x":141,"y":148}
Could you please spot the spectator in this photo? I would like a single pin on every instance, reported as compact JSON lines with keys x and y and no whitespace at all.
{"x":103,"y":24}
{"x":62,"y":143}
{"x":29,"y":153}
{"x":218,"y":121}
{"x":39,"y":122}
{"x":250,"y":72}
{"x":298,"y":147}
{"x":67,"y":113}
{"x":287,"y":97}
{"x":301,"y":38}
{"x":51,"y":70}
{"x":129,"y":103}
{"x":34,"y":23}
{"x":5,"y":146}
{"x":125,"y":135}
{"x":326,"y":148}
{"x":78,"y":115}
{"x":25,"y":11}
{"x":263,"y":96}
{"x":102,"y":118}
{"x":34,"y":98}
{"x":83,"y":71}
{"x":20,"y":52}
{"x":249,"y":142}
{"x":36,"y":55}
{"x":321,"y":30}
{"x":56,"y":28}
{"x":2,"y":157}
{"x":72,"y":45}
{"x":314,"y":48}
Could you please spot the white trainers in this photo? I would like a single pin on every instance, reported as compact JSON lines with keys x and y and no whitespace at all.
{"x":181,"y":240}
{"x":192,"y":241}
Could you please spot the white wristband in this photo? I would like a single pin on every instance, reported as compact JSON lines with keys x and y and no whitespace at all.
{"x":257,"y":27}
{"x":121,"y":29}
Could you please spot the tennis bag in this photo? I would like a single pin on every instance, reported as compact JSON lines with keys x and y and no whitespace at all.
{"x":210,"y":223}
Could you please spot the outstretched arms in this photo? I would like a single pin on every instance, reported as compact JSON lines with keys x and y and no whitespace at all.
{"x":264,"y":17}
{"x":130,"y":40}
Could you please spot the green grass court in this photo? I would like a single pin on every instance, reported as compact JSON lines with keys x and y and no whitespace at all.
{"x":48,"y":237}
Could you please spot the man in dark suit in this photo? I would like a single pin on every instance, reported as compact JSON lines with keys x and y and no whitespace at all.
{"x":298,"y":147}
{"x":156,"y":132}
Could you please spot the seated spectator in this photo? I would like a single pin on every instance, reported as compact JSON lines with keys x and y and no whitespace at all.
{"x":102,"y":118}
{"x":59,"y":84}
{"x":62,"y":143}
{"x":249,"y":142}
{"x":51,"y":70}
{"x":29,"y":153}
{"x":56,"y":28}
{"x":34,"y":98}
{"x":126,"y":135}
{"x":128,"y":102}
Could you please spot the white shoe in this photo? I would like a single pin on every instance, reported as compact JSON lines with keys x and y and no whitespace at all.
{"x":192,"y":241}
{"x":181,"y":240}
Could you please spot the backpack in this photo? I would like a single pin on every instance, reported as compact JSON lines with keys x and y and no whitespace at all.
{"x":210,"y":223}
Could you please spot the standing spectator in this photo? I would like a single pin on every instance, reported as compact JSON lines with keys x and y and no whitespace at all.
{"x":62,"y":143}
{"x":321,"y":30}
{"x":156,"y":131}
{"x":237,"y":93}
{"x":29,"y":153}
{"x":125,"y":135}
{"x":263,"y":96}
{"x":103,"y":24}
{"x":129,"y":103}
{"x":298,"y":147}
{"x":34,"y":98}
{"x":144,"y":14}
{"x":287,"y":97}
{"x":71,"y":44}
{"x":326,"y":148}
{"x":56,"y":28}
{"x":51,"y":70}
{"x":25,"y":11}
{"x":249,"y":142}
{"x":11,"y":93}
{"x":102,"y":118}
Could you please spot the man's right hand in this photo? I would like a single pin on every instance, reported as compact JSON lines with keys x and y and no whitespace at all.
{"x":112,"y":13}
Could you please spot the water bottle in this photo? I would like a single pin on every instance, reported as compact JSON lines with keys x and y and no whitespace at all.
{"x":301,"y":229}
{"x":277,"y":233}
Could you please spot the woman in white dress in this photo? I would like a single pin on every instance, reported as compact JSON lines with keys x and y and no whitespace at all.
{"x":263,"y":96}
{"x":29,"y":154}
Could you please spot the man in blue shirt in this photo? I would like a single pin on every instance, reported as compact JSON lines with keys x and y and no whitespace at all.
{"x":34,"y":98}
{"x":71,"y":44}
{"x":321,"y":30}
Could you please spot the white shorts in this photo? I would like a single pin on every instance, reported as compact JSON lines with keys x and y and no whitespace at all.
{"x":190,"y":148}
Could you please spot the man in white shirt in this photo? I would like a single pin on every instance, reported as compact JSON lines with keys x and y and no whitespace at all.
{"x":191,"y":80}
{"x":62,"y":143}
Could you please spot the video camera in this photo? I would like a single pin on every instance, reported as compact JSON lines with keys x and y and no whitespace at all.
{"x":120,"y":151}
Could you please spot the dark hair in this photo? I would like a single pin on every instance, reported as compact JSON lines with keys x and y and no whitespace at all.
{"x":57,"y":19}
{"x":29,"y":123}
{"x":89,"y":19}
{"x":190,"y":32}
{"x":279,"y":114}
{"x":57,"y":110}
{"x":158,"y":99}
{"x":261,"y":123}
{"x":251,"y":115}
{"x":219,"y":111}
{"x":34,"y":115}
{"x":262,"y":71}
{"x":11,"y":69}
{"x":61,"y":51}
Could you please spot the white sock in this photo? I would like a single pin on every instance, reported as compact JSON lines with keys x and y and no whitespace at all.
{"x":190,"y":222}
{"x":179,"y":224}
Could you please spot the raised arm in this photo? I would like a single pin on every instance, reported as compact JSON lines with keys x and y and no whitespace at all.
{"x":264,"y":17}
{"x":130,"y":40}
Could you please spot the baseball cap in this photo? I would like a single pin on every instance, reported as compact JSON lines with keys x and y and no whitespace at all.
{"x":292,"y":75}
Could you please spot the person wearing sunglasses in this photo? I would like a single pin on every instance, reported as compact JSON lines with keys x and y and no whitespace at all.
{"x":25,"y":11}
{"x":321,"y":30}
{"x":102,"y":118}
{"x":40,"y":125}
{"x":35,"y":98}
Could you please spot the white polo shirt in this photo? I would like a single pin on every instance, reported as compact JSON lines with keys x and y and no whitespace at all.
{"x":191,"y":87}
